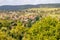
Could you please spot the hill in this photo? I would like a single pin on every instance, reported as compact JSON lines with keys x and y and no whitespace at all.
{"x":22,"y":7}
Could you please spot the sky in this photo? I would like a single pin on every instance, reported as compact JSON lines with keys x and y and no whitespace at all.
{"x":24,"y":2}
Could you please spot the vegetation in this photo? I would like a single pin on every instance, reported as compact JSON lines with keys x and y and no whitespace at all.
{"x":41,"y":24}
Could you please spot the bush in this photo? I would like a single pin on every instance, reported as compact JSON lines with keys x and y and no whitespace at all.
{"x":5,"y":36}
{"x":46,"y":29}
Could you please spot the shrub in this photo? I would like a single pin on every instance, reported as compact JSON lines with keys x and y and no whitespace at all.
{"x":46,"y":29}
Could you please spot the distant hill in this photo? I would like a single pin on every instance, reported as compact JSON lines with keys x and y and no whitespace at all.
{"x":22,"y":7}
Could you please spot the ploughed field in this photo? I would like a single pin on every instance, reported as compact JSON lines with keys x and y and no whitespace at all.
{"x":30,"y":24}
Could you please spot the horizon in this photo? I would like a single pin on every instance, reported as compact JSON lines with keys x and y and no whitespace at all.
{"x":27,"y":2}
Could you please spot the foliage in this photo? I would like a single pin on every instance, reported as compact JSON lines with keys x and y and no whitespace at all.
{"x":45,"y":26}
{"x":46,"y":29}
